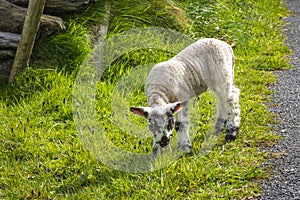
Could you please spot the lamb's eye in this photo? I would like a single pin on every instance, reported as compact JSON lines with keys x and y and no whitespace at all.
{"x":150,"y":121}
{"x":171,"y":123}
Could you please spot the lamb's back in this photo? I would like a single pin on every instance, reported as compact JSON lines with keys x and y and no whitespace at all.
{"x":188,"y":73}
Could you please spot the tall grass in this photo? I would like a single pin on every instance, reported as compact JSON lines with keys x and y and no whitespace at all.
{"x":164,"y":13}
{"x":68,"y":50}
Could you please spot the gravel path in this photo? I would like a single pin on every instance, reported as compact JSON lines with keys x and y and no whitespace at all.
{"x":285,"y":182}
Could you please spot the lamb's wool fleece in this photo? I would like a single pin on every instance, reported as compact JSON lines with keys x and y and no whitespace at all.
{"x":191,"y":72}
{"x":207,"y":63}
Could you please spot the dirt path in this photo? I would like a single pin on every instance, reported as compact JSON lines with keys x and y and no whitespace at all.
{"x":285,"y":182}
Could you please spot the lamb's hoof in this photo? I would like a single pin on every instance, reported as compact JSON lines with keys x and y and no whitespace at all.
{"x":230,"y":138}
{"x":186,"y":148}
{"x":231,"y":134}
{"x":158,"y":150}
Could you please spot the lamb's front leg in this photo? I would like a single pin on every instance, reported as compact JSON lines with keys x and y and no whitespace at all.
{"x":182,"y":126}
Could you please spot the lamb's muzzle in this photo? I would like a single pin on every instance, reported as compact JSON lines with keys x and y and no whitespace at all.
{"x":164,"y":141}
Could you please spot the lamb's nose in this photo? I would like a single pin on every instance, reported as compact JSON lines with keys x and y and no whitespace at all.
{"x":164,"y":141}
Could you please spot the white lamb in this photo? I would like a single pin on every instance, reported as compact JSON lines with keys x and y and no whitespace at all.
{"x":207,"y":63}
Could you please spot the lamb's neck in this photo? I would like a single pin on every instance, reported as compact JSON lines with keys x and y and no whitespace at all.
{"x":157,"y":99}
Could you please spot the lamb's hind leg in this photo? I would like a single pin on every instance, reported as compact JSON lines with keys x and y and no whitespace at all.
{"x":233,"y":114}
{"x":182,"y":125}
{"x":228,"y":113}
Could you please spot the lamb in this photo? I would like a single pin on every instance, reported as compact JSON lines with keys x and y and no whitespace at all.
{"x":205,"y":64}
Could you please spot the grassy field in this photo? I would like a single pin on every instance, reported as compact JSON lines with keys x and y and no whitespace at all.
{"x":43,"y":157}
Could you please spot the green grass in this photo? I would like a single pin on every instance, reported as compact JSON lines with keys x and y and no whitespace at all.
{"x":42,"y":156}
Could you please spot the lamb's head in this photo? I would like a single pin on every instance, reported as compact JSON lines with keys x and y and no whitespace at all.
{"x":161,"y":122}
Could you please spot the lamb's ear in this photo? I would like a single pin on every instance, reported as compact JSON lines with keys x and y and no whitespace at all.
{"x":140,"y":111}
{"x":177,"y":106}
